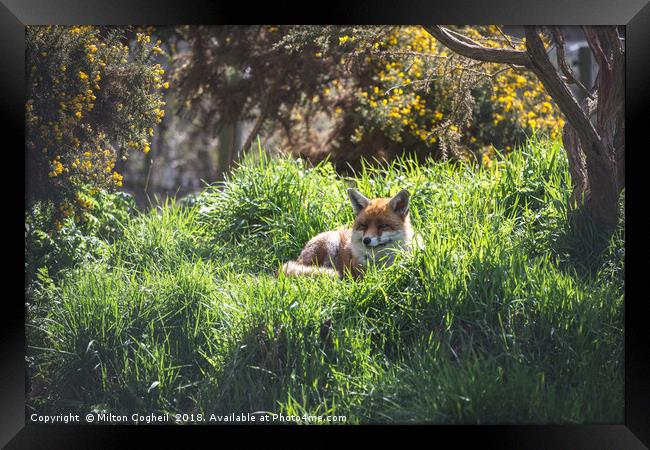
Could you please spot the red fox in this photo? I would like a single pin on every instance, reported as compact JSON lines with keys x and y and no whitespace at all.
{"x":381,"y":226}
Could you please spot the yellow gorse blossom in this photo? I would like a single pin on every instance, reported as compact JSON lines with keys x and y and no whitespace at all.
{"x":142,"y":38}
{"x":117,"y":179}
{"x":57,"y":168}
{"x":395,"y":104}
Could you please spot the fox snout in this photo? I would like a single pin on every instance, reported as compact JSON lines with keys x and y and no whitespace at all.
{"x":382,"y":239}
{"x":371,"y":241}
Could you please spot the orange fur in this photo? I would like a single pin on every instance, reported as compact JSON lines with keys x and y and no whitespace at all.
{"x":381,"y":225}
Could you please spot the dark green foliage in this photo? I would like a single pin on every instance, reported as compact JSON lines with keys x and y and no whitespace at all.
{"x":76,"y":242}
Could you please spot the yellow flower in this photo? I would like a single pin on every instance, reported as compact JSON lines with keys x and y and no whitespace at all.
{"x":486,"y":160}
{"x":343,"y":39}
{"x":141,"y":37}
{"x":78,"y":114}
{"x":117,"y":179}
{"x":83,"y":75}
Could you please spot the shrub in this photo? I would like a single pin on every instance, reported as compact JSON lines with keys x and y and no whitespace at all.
{"x":50,"y":252}
{"x":92,"y":95}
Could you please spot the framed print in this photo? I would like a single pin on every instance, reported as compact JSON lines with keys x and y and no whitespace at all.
{"x":395,"y":215}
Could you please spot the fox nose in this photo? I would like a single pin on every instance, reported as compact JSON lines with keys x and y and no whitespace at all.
{"x":366,"y":240}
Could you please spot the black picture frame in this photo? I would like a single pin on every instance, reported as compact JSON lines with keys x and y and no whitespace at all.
{"x":634,"y":14}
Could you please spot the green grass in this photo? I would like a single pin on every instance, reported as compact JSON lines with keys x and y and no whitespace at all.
{"x":506,"y":315}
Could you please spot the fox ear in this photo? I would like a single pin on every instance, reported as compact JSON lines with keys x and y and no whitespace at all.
{"x":358,"y":200}
{"x":400,"y":203}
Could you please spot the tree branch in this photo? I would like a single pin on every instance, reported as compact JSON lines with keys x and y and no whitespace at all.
{"x":596,"y":48}
{"x":470,"y":49}
{"x":534,"y":58}
{"x":507,"y":39}
{"x":561,"y":59}
{"x":558,"y":89}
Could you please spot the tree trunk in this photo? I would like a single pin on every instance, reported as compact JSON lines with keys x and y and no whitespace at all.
{"x":606,"y":166}
{"x":577,"y":166}
{"x":227,"y":148}
{"x":254,"y":132}
{"x":602,"y":202}
{"x":595,"y":180}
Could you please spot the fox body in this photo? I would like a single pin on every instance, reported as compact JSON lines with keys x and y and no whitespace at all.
{"x":381,"y":227}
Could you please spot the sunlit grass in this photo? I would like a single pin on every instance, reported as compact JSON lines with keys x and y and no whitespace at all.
{"x":505,"y":316}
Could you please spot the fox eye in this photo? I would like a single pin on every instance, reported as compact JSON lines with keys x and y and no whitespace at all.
{"x":383,"y":226}
{"x":363,"y":225}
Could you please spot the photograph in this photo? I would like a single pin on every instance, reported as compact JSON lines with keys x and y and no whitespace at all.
{"x":291,"y":224}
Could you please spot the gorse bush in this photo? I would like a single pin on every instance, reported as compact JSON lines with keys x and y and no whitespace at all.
{"x":411,"y":92}
{"x":92,"y":97}
{"x":491,"y":322}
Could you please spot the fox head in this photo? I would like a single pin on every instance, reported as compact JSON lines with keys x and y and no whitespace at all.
{"x":381,"y":222}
